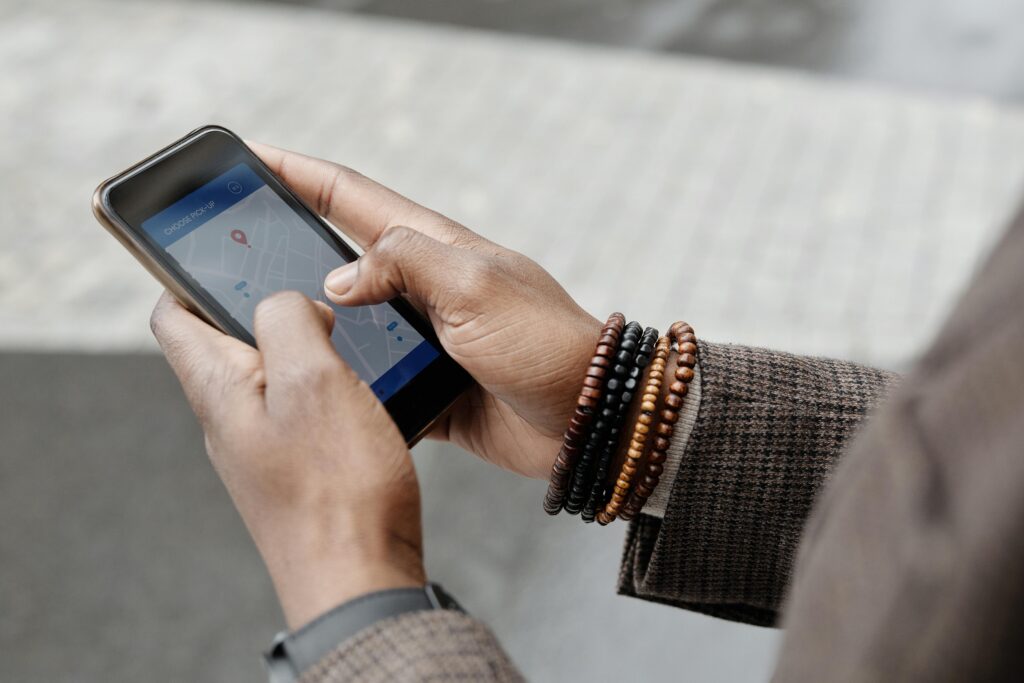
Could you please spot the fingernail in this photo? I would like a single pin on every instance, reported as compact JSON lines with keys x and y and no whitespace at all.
{"x":341,"y":279}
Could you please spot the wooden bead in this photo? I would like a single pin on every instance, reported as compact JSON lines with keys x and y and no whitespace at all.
{"x":575,"y":431}
{"x":573,"y":451}
{"x":686,"y":338}
{"x":688,"y":347}
{"x":578,"y":426}
{"x":673,"y":401}
{"x":664,"y":430}
{"x":634,"y":453}
{"x":654,"y":469}
{"x":669,"y":416}
{"x":687,"y":359}
{"x":641,"y":429}
{"x":648,"y":406}
{"x":645,"y":419}
{"x":657,"y":456}
{"x":678,"y":388}
{"x":661,"y":444}
{"x":684,"y":374}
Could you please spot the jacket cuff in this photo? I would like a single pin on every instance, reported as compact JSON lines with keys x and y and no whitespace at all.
{"x":436,"y":645}
{"x":293,"y":653}
{"x":768,"y":431}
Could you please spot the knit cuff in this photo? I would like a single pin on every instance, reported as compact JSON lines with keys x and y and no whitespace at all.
{"x":658,"y":501}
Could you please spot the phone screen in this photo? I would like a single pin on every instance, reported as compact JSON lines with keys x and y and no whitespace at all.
{"x":241,"y":242}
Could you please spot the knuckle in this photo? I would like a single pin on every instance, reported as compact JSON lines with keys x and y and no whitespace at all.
{"x":215,"y":392}
{"x":456,"y":234}
{"x":517,"y":263}
{"x":481,"y":272}
{"x":333,"y":186}
{"x":315,"y":374}
{"x":157,"y":320}
{"x":279,"y":304}
{"x":394,"y":240}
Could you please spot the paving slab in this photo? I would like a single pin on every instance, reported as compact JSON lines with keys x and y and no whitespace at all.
{"x":764,"y":207}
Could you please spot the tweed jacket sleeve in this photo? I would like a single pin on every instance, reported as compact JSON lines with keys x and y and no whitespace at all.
{"x":768,"y":431}
{"x":431,"y":645}
{"x":770,"y":427}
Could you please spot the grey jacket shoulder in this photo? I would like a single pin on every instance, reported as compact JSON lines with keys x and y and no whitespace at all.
{"x":911,"y":566}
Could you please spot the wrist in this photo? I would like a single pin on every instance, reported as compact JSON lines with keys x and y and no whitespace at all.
{"x":307,"y":586}
{"x":318,"y":566}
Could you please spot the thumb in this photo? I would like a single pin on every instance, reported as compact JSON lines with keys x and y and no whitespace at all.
{"x":402,"y":261}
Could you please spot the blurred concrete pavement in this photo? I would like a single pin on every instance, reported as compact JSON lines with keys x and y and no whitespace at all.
{"x":763,"y":206}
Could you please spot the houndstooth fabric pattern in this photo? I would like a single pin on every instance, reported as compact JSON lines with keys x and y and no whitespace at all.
{"x":769,"y":431}
{"x":769,"y":428}
{"x":432,"y":645}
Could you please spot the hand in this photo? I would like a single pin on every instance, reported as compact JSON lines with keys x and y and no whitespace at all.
{"x":497,"y":313}
{"x":313,"y":462}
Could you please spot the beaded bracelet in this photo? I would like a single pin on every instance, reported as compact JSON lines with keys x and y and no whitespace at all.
{"x":579,"y":423}
{"x":641,"y":431}
{"x":641,"y":356}
{"x":683,"y":338}
{"x":604,"y":420}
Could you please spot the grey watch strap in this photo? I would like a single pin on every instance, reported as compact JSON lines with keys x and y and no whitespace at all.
{"x":292,"y":653}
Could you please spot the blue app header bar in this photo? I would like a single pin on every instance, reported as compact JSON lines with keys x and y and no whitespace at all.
{"x":195,"y":208}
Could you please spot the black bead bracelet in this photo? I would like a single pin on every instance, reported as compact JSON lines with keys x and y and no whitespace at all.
{"x":641,"y":353}
{"x":604,"y":418}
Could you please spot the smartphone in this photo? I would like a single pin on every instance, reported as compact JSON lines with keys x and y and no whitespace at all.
{"x":221,"y":232}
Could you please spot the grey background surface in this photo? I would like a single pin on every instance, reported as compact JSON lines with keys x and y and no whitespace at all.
{"x":763,"y":205}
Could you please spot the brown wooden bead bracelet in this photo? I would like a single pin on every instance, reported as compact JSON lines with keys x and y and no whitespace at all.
{"x":682,"y":337}
{"x":589,"y":399}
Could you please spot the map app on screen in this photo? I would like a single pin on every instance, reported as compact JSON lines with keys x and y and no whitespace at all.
{"x":241,"y":242}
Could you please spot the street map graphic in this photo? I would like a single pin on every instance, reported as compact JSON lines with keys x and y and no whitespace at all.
{"x":260,"y":246}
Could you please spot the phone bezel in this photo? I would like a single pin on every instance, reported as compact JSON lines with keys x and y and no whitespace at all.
{"x":124,"y":201}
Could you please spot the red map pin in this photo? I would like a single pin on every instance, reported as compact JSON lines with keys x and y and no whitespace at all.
{"x":239,"y":236}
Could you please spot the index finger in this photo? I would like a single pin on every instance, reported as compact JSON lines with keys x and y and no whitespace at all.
{"x":203,"y":358}
{"x":294,"y":339}
{"x":362,"y":208}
